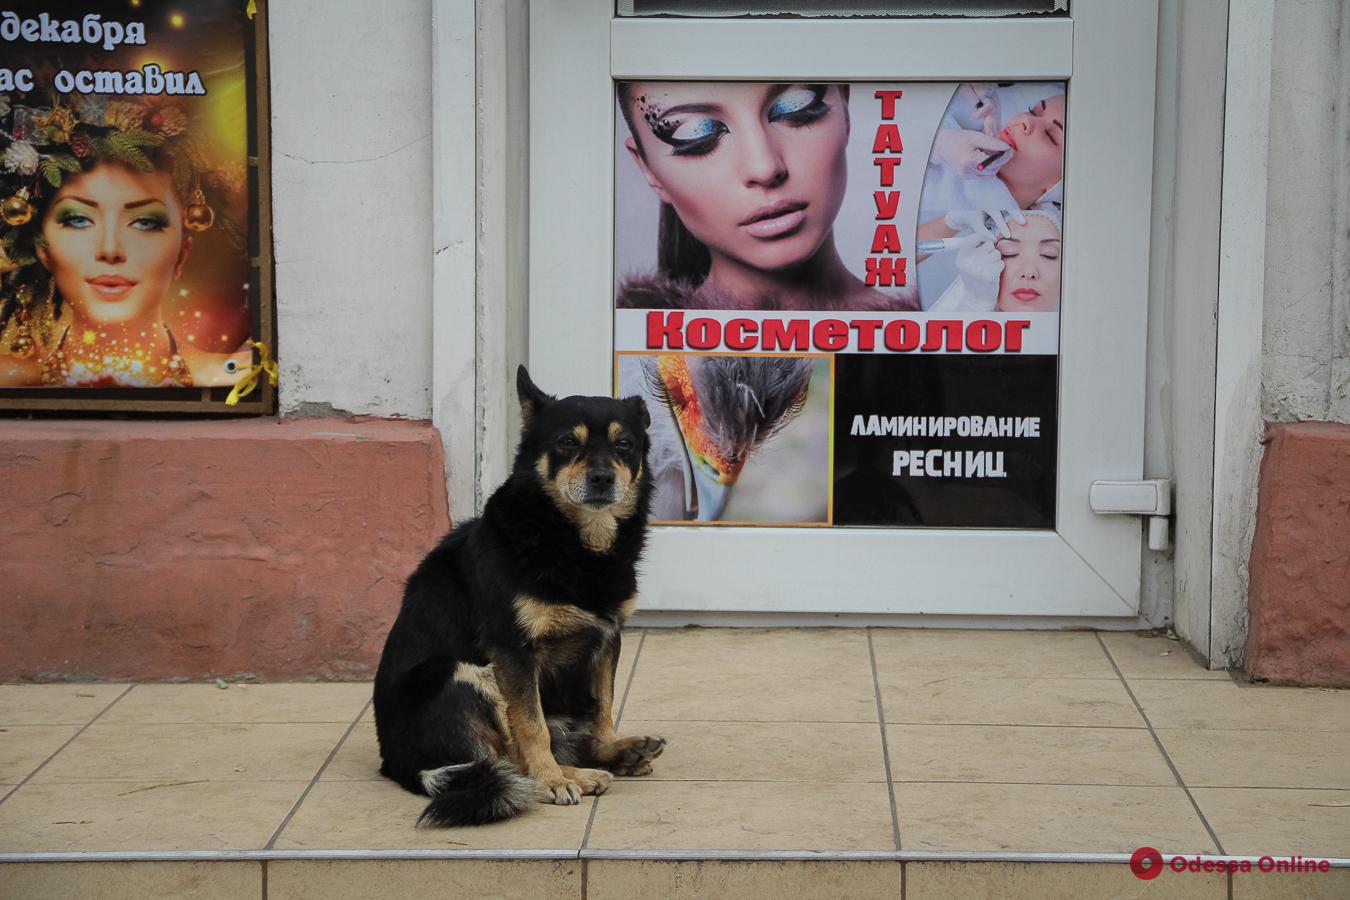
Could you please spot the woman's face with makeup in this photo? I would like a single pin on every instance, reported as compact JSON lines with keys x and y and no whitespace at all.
{"x":1037,"y":137}
{"x":1030,"y":280}
{"x":114,"y":243}
{"x":755,"y":171}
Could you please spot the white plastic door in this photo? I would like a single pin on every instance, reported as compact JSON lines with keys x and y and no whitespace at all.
{"x":1088,"y":565}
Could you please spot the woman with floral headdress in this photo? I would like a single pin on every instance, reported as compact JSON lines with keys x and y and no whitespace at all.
{"x":98,"y":216}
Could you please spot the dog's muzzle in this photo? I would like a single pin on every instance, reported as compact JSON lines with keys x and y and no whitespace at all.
{"x":599,"y":487}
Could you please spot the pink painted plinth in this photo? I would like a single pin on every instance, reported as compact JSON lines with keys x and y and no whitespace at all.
{"x":1299,"y":597}
{"x":195,"y":549}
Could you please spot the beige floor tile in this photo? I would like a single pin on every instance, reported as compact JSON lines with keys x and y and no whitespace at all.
{"x":1223,"y":705}
{"x":753,"y":675}
{"x":145,"y":816}
{"x":1256,"y":821}
{"x":612,"y":879}
{"x":132,"y":880}
{"x":206,"y":703}
{"x":1333,"y":885}
{"x":698,"y":815}
{"x":195,"y":753}
{"x":25,"y":747}
{"x":628,"y":648}
{"x":1047,"y":818}
{"x":1029,"y":755}
{"x":945,"y":700}
{"x":1150,"y":656}
{"x":359,"y":758}
{"x":923,"y":653}
{"x":55,"y":704}
{"x":1052,"y":881}
{"x":380,"y":815}
{"x":765,"y":751}
{"x":501,"y":879}
{"x":1296,"y":759}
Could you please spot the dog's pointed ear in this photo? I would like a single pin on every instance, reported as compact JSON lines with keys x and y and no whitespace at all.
{"x":639,"y":406}
{"x":531,"y":398}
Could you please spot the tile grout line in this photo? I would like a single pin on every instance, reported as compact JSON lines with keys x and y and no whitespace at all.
{"x":595,"y":804}
{"x":1176,"y":773}
{"x":885,"y":749}
{"x":68,"y":742}
{"x":319,"y":774}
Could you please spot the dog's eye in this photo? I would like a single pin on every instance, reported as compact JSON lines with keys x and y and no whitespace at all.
{"x":623,"y":444}
{"x":568,"y":442}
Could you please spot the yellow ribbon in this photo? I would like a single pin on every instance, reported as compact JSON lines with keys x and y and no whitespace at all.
{"x":252,"y":9}
{"x":248,"y":382}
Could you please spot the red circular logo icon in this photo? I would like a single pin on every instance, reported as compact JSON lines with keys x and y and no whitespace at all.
{"x":1146,"y":863}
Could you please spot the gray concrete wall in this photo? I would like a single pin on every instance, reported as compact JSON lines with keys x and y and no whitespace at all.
{"x":1183,"y":298}
{"x":352,"y":205}
{"x":1306,"y":333}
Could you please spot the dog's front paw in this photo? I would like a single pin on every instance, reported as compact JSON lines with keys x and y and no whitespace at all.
{"x":633,"y":756}
{"x":591,"y":781}
{"x":560,"y":791}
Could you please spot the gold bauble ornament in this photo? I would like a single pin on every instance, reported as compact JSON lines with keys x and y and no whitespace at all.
{"x":22,"y":346}
{"x":199,"y":216}
{"x":16,"y":210}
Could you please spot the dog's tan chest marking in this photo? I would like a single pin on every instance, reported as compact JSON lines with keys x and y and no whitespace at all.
{"x":548,"y":621}
{"x":597,"y":527}
{"x":563,"y":634}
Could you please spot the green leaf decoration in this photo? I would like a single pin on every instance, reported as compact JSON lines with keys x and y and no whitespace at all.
{"x":51,"y":171}
{"x":140,"y":138}
{"x":54,"y":167}
{"x":117,"y":148}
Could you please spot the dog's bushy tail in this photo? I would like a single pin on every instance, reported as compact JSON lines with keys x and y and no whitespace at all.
{"x":476,"y":793}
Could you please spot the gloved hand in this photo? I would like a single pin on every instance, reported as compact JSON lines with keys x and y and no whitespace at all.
{"x":993,"y":224}
{"x":963,"y":152}
{"x":978,"y":267}
{"x":975,"y":105}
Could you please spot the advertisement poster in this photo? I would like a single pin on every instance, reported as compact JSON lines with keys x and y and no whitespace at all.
{"x":841,"y":301}
{"x":124,"y":198}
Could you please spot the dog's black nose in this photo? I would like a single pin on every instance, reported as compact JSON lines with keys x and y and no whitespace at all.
{"x":600,"y":479}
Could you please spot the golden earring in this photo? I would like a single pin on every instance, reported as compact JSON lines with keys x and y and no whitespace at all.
{"x":199,"y":216}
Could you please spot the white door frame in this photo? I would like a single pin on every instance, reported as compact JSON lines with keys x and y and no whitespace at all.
{"x":1088,"y":566}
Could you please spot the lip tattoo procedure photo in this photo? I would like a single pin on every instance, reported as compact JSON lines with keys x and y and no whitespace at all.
{"x":1037,"y":139}
{"x":1031,"y":271}
{"x":114,"y":242}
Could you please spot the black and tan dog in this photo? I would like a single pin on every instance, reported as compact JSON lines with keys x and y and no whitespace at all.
{"x":496,"y":687}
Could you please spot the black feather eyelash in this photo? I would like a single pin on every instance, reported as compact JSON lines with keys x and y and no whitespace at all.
{"x":656,"y":385}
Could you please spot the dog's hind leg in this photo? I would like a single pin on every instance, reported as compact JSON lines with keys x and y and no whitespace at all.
{"x":451,"y":750}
